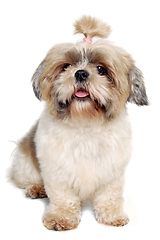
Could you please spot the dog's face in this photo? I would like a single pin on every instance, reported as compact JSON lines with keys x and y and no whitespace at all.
{"x":88,"y":82}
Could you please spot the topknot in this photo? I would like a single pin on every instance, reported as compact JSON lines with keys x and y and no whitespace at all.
{"x":92,"y":27}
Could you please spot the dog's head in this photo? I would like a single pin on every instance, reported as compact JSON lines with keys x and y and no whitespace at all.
{"x":88,"y":81}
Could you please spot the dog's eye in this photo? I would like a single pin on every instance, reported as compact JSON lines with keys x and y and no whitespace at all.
{"x":66,"y":66}
{"x":102,"y":70}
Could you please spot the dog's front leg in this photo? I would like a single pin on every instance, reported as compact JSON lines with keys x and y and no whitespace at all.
{"x":108,"y":204}
{"x":63,"y":211}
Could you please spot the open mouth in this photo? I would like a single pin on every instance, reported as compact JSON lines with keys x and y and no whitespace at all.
{"x":81,"y":95}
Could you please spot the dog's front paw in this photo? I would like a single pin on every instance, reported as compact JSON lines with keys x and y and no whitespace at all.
{"x":58,"y":222}
{"x":113,"y":220}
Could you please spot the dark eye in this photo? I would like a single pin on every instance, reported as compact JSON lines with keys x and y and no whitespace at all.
{"x":66,"y":66}
{"x":102,"y":71}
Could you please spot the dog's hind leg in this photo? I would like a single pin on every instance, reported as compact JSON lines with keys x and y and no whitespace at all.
{"x":36,"y":191}
{"x":25,"y":170}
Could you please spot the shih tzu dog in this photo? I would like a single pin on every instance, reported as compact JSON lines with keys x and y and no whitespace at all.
{"x":81,"y":145}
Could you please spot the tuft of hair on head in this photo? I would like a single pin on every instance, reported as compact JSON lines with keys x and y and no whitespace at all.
{"x":92,"y":27}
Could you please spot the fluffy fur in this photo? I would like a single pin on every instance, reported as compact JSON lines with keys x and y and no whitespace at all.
{"x":81,"y":145}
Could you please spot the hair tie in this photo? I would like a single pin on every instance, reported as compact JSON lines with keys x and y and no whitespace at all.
{"x":88,"y":40}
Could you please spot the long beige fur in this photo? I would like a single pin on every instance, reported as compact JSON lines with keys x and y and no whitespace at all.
{"x":91,"y":27}
{"x":80,"y":147}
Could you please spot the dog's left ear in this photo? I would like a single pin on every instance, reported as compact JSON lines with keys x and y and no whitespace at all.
{"x":36,"y":80}
{"x":138,"y":92}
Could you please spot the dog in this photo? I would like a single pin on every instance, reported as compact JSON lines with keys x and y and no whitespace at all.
{"x":79,"y":148}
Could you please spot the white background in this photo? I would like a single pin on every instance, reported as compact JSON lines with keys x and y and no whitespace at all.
{"x":28,"y":29}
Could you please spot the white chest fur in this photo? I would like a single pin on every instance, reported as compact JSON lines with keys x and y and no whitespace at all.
{"x":83,"y":158}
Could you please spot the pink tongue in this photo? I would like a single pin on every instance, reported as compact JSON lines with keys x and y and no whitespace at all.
{"x":81,"y":94}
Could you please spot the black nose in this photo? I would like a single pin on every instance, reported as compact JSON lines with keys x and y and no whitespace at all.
{"x":81,"y":75}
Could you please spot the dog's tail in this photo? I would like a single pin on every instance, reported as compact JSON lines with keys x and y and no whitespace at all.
{"x":91,"y":27}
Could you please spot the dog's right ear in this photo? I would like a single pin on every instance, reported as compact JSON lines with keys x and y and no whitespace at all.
{"x":36,"y":80}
